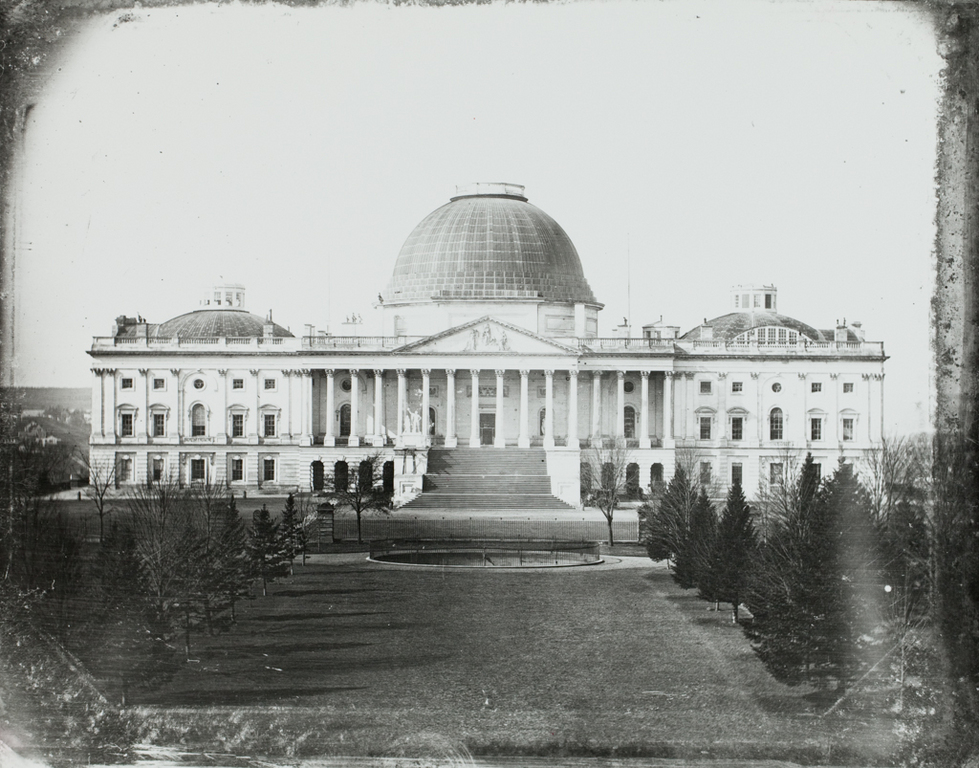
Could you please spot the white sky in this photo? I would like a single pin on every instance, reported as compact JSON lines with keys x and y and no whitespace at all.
{"x":293,"y":150}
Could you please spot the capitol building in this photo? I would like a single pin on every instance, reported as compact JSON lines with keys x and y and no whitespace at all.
{"x":489,"y":349}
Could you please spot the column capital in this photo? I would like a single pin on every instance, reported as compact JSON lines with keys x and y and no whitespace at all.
{"x":525,"y":372}
{"x":596,"y":375}
{"x":865,"y":376}
{"x":688,"y":375}
{"x":173,"y":371}
{"x":329,"y":372}
{"x":620,"y":375}
{"x":834,"y":376}
{"x":549,"y":373}
{"x":222,"y":372}
{"x":500,"y":372}
{"x":426,"y":371}
{"x":450,"y":371}
{"x":474,"y":372}
{"x":378,"y":372}
{"x":287,"y":372}
{"x":644,"y":374}
{"x":722,"y":375}
{"x":353,"y":371}
{"x":254,"y":371}
{"x":305,"y":371}
{"x":401,"y":372}
{"x":669,"y":374}
{"x":802,"y":376}
{"x":754,"y":374}
{"x":573,"y":372}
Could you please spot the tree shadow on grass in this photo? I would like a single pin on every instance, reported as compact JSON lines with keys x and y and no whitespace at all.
{"x":276,"y":618}
{"x":313,"y":592}
{"x":248,"y":696}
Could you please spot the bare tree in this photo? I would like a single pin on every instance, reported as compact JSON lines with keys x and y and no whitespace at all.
{"x":363,"y":490}
{"x":608,"y":468}
{"x":101,"y":479}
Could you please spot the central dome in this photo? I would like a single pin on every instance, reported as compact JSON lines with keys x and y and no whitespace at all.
{"x":488,"y":244}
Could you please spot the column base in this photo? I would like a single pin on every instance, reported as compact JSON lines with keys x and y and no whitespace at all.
{"x":353,"y":441}
{"x":596,"y":442}
{"x":499,"y":442}
{"x":377,"y":441}
{"x":644,"y":442}
{"x":452,"y":442}
{"x":548,"y":442}
{"x":523,"y":442}
{"x":306,"y":440}
{"x":574,"y":442}
{"x":669,"y":442}
{"x":474,"y":442}
{"x":329,"y":441}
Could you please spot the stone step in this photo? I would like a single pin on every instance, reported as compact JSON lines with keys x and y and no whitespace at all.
{"x":483,"y":484}
{"x":485,"y":501}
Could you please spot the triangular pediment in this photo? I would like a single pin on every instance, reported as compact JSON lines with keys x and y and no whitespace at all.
{"x":487,"y":336}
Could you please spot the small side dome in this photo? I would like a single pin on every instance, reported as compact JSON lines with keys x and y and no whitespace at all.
{"x":730,"y":327}
{"x":230,"y":323}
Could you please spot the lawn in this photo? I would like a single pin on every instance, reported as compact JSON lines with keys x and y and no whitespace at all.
{"x":350,"y":657}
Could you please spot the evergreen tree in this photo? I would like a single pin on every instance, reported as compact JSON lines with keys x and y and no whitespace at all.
{"x":692,"y":563}
{"x":267,"y":549}
{"x":813,"y":593}
{"x":667,"y":524}
{"x":235,"y":565}
{"x":289,"y":529}
{"x":734,"y":548}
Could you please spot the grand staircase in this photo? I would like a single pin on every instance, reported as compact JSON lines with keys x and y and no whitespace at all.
{"x":487,"y":479}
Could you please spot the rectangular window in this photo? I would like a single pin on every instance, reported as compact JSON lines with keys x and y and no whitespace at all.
{"x":159,"y":383}
{"x":705,"y":388}
{"x":816,"y":429}
{"x":126,"y":429}
{"x":270,"y":383}
{"x":768,"y":301}
{"x":157,"y":470}
{"x":237,"y":425}
{"x":197,"y":470}
{"x":782,"y":336}
{"x":775,"y":473}
{"x":237,"y":469}
{"x":816,"y":386}
{"x":737,"y":386}
{"x":127,"y":384}
{"x":705,"y":427}
{"x":737,"y":428}
{"x":237,"y":383}
{"x":705,"y":473}
{"x":269,"y":422}
{"x":159,"y":424}
{"x":737,"y":474}
{"x":757,"y":298}
{"x":268,"y":470}
{"x":124,"y":470}
{"x":818,"y":468}
{"x":848,"y":386}
{"x":847,"y":429}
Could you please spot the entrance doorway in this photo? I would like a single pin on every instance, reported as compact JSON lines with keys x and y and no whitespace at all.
{"x":487,"y":428}
{"x":318,"y":475}
{"x":345,"y":420}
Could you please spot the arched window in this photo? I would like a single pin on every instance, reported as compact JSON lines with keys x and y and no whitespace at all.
{"x":431,"y":422}
{"x":584,"y":479}
{"x":365,"y":476}
{"x":198,"y":421}
{"x":656,"y":473}
{"x":341,"y":476}
{"x":608,"y":476}
{"x":775,"y":424}
{"x":388,"y":471}
{"x":632,"y":480}
{"x":630,"y":422}
{"x":317,"y":475}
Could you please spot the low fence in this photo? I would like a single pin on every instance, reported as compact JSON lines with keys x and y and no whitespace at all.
{"x":376,"y":528}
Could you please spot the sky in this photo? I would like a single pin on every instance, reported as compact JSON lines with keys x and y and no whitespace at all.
{"x":685,"y":147}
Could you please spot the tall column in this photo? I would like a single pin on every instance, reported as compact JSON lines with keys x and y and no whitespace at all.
{"x":548,"y":409}
{"x":378,"y":407}
{"x":110,"y":416}
{"x":596,"y":409}
{"x":143,"y":414}
{"x":804,"y":429}
{"x":722,"y":406}
{"x":402,"y":404}
{"x":499,"y":440}
{"x":222,"y":420}
{"x":285,"y":428}
{"x":474,"y":413}
{"x":691,"y":430}
{"x":835,"y":419}
{"x":328,"y":437}
{"x":254,"y":429}
{"x":759,"y":416}
{"x":620,"y":404}
{"x":306,"y":436}
{"x":644,"y":409}
{"x":426,"y":401}
{"x":98,"y":413}
{"x":668,"y":439}
{"x":879,"y":378}
{"x":451,"y":441}
{"x":354,"y":439}
{"x":523,"y":441}
{"x":573,"y":409}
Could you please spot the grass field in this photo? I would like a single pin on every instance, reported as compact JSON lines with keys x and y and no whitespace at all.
{"x":350,"y":657}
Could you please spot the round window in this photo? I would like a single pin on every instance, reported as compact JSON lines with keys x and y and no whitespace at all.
{"x":198,"y":383}
{"x":776,"y":387}
{"x":629,"y":386}
{"x":345,"y":385}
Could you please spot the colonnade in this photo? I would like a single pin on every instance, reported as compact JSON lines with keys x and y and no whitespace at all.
{"x":409,"y":423}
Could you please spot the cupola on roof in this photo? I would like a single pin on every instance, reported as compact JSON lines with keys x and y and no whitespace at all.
{"x":488,"y":244}
{"x":230,"y":323}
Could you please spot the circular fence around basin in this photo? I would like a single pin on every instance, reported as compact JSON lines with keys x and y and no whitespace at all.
{"x":487,"y":554}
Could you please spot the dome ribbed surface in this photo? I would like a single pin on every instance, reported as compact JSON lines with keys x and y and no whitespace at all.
{"x":728,"y":327}
{"x":485,"y":247}
{"x":231,"y":323}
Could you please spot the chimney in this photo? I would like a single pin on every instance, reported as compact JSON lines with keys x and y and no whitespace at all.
{"x":268,"y":330}
{"x":841,"y":333}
